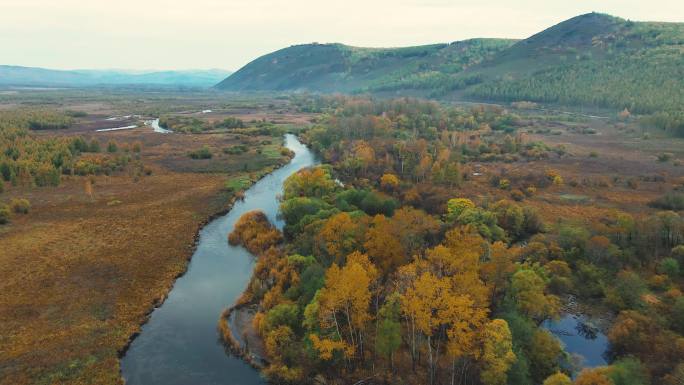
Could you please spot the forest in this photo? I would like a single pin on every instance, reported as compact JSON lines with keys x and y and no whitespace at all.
{"x":390,"y":270}
{"x":30,"y":160}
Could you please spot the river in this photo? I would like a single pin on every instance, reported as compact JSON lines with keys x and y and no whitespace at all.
{"x":180,"y":344}
{"x":580,"y":338}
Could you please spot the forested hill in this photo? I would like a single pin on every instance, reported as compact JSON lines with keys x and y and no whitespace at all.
{"x":592,"y":59}
{"x":341,"y":68}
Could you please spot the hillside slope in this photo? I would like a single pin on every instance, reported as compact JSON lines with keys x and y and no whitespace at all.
{"x":592,"y":59}
{"x":341,"y":68}
{"x":31,"y":76}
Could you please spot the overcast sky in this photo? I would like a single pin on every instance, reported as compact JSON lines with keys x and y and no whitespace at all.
{"x":173,"y":34}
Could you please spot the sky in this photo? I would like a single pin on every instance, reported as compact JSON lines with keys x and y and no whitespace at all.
{"x":227,"y":34}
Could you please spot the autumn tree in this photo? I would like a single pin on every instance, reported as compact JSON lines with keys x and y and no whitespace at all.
{"x":309,"y":182}
{"x":389,"y":182}
{"x":528,"y":288}
{"x":345,"y":299}
{"x":544,"y":354}
{"x":456,"y":206}
{"x":593,"y":377}
{"x":341,"y":235}
{"x":391,"y":242}
{"x":497,"y":353}
{"x":557,"y":379}
{"x":255,"y":232}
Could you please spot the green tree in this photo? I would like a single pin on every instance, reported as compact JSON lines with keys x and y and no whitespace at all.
{"x":388,"y":339}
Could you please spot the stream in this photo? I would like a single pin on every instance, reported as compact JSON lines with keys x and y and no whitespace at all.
{"x":180,"y":343}
{"x":580,"y":338}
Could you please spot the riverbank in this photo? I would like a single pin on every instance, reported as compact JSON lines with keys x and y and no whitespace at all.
{"x":237,"y":195}
{"x":178,"y":344}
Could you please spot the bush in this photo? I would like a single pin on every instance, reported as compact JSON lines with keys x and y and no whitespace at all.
{"x":664,"y":157}
{"x":669,"y":266}
{"x":4,"y":214}
{"x":202,"y":153}
{"x":517,"y":195}
{"x":235,"y":150}
{"x":669,"y":201}
{"x":20,"y":206}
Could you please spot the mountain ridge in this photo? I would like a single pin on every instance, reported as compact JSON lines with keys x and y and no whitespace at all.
{"x":591,"y":59}
{"x":14,"y":75}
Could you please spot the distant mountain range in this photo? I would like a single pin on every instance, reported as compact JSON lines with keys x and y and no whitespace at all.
{"x":30,"y":76}
{"x":592,"y":59}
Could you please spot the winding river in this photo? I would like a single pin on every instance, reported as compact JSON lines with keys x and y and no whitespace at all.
{"x":180,"y":344}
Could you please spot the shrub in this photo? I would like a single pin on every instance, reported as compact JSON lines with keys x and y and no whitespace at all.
{"x":669,"y":266}
{"x":517,"y":195}
{"x":112,"y":147}
{"x":4,"y":214}
{"x":678,"y":315}
{"x":669,"y":201}
{"x":664,"y":157}
{"x":202,"y":153}
{"x":20,"y":206}
{"x":235,"y":150}
{"x":94,"y":146}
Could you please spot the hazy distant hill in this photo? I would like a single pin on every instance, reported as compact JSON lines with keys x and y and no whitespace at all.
{"x":30,"y":76}
{"x":592,"y":59}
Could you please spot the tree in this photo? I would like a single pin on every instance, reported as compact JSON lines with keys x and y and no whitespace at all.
{"x":388,"y":338}
{"x":391,"y":242}
{"x":456,"y":206}
{"x":112,"y":147}
{"x":558,"y":379}
{"x":345,"y":299}
{"x":528,"y":289}
{"x":4,"y":214}
{"x":383,"y":245}
{"x":678,"y":315}
{"x":497,"y":352}
{"x":628,"y":371}
{"x":341,"y":235}
{"x":389,"y":182}
{"x":593,"y":377}
{"x":423,"y":305}
{"x":669,"y":266}
{"x":627,"y":291}
{"x":544,"y":353}
{"x":498,"y":269}
{"x":309,"y":182}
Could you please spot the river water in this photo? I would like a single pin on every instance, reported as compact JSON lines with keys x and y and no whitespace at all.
{"x":180,"y":344}
{"x":581,"y":339}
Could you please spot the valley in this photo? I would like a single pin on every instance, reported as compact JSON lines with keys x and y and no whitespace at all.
{"x":490,"y":211}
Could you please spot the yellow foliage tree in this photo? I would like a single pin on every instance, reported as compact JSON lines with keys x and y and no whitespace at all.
{"x":345,"y":298}
{"x":497,"y":352}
